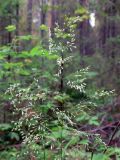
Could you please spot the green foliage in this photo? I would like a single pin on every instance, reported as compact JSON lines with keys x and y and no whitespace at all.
{"x":25,"y":37}
{"x":7,"y":10}
{"x":48,"y":117}
{"x":4,"y":127}
{"x":10,"y":28}
{"x":81,"y":10}
{"x":14,"y":136}
{"x":49,"y":112}
{"x":10,"y":154}
{"x":43,"y":27}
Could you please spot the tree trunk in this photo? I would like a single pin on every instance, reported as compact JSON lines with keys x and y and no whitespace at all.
{"x":29,"y":16}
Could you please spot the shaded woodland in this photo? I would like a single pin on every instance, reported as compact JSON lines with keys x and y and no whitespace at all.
{"x":59,"y":79}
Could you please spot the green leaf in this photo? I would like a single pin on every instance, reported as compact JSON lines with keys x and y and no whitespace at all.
{"x":5,"y":51}
{"x":12,"y":65}
{"x":14,"y":135}
{"x":5,"y":126}
{"x":60,"y":133}
{"x":24,"y":72}
{"x":73,"y":141}
{"x":41,"y":52}
{"x":81,"y":10}
{"x":46,"y":107}
{"x":84,"y":142}
{"x":10,"y":28}
{"x":94,"y":121}
{"x":100,"y":157}
{"x":44,"y":27}
{"x":91,"y":74}
{"x":62,"y":98}
{"x":27,"y":37}
{"x":24,"y":54}
{"x":36,"y":51}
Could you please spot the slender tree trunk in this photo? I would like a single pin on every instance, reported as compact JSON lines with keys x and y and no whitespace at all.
{"x":29,"y":16}
{"x":17,"y":19}
{"x":29,"y":21}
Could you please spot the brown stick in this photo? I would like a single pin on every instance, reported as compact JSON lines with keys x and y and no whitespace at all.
{"x":112,"y":136}
{"x":104,"y":127}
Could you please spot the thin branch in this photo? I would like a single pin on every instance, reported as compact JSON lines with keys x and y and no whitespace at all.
{"x":112,"y":136}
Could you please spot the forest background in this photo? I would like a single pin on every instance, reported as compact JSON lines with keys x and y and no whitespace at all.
{"x":59,"y":63}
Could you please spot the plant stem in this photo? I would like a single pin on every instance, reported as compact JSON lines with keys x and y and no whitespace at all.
{"x":61,"y":144}
{"x":92,"y":154}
